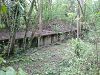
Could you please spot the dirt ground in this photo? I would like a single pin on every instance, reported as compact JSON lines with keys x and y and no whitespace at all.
{"x":43,"y":61}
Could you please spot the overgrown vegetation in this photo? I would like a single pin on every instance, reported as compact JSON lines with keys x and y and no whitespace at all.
{"x":82,"y":59}
{"x":7,"y":70}
{"x":80,"y":54}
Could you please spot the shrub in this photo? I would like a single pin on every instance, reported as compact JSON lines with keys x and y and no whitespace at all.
{"x":11,"y":71}
{"x":84,"y":64}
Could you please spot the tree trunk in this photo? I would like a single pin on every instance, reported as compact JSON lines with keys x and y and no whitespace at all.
{"x":13,"y":30}
{"x":40,"y":3}
{"x":50,"y":9}
{"x":80,"y":14}
{"x":78,"y":23}
{"x":27,"y":24}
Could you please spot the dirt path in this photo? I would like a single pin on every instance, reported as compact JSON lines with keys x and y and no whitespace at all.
{"x":44,"y":60}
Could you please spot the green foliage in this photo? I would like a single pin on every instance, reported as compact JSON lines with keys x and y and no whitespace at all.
{"x":83,"y":65}
{"x":71,"y":17}
{"x":94,"y":24}
{"x":81,"y":57}
{"x":2,"y":26}
{"x":1,"y":60}
{"x":21,"y":72}
{"x":3,"y":9}
{"x":80,"y":47}
{"x":2,"y":72}
{"x":50,"y":73}
{"x":11,"y":71}
{"x":59,"y":10}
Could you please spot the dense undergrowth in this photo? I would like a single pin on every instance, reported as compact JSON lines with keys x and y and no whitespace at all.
{"x":75,"y":57}
{"x":79,"y":58}
{"x":5,"y":69}
{"x":82,"y":59}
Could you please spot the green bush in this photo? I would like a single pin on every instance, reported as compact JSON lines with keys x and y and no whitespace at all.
{"x":80,"y":47}
{"x":84,"y":64}
{"x":1,"y":60}
{"x":2,"y":26}
{"x":11,"y":71}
